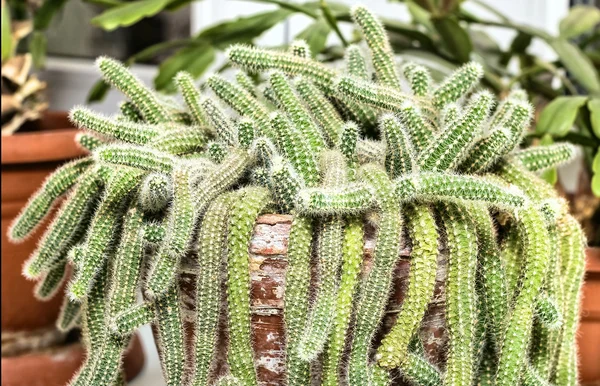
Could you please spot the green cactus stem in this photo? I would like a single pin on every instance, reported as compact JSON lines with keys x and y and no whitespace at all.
{"x":155,"y":193}
{"x":179,"y":228}
{"x":241,"y":101}
{"x":135,"y":157}
{"x":89,"y":142}
{"x":393,"y":351}
{"x":247,"y":131}
{"x":400,"y":158}
{"x":352,"y":259}
{"x":458,"y":84}
{"x":220,"y":122}
{"x":373,"y":293}
{"x":535,"y":244}
{"x":460,"y":293}
{"x":297,"y":148}
{"x":544,"y":157}
{"x":289,"y":101}
{"x":245,"y":81}
{"x":573,"y":263}
{"x":211,"y":246}
{"x":52,"y":281}
{"x":170,"y":333}
{"x":295,"y":311}
{"x":375,"y":95}
{"x":101,"y":230}
{"x":258,"y":60}
{"x":379,"y":45}
{"x":419,"y":79}
{"x":130,"y":112}
{"x":147,"y":103}
{"x":285,"y":183}
{"x":131,"y":132}
{"x":192,"y":97}
{"x":451,"y":146}
{"x":70,"y":312}
{"x":38,"y":206}
{"x":323,"y":110}
{"x":183,"y":140}
{"x":219,"y":179}
{"x":330,"y":250}
{"x":73,"y":212}
{"x":246,"y":207}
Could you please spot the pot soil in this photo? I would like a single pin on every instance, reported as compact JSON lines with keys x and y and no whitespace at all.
{"x":30,"y":342}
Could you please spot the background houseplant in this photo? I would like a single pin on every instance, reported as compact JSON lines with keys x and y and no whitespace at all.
{"x":157,"y":170}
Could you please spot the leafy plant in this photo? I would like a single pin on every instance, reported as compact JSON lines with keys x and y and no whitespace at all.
{"x":163,"y":181}
{"x":22,"y":93}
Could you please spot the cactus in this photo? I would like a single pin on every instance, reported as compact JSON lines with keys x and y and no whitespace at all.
{"x":393,"y":351}
{"x":373,"y":293}
{"x":249,"y":203}
{"x":180,"y":224}
{"x":208,"y":286}
{"x":127,"y":131}
{"x":352,"y":258}
{"x":295,"y":311}
{"x":40,"y":203}
{"x":460,"y":294}
{"x":166,"y":186}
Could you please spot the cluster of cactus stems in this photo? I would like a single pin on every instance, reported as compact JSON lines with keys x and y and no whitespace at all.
{"x":435,"y":167}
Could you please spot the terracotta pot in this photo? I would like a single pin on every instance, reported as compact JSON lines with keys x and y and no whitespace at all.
{"x":55,"y":366}
{"x":27,"y":158}
{"x":588,"y":337}
{"x":268,"y":265}
{"x":39,"y":354}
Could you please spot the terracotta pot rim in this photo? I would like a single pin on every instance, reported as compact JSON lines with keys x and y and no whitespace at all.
{"x":592,"y":263}
{"x":54,"y":141}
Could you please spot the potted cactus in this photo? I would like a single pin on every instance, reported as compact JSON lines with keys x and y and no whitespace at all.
{"x":327,"y":229}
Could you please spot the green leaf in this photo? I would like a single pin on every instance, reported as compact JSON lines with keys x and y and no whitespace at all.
{"x":550,"y":175}
{"x":456,"y":39}
{"x":581,"y":18}
{"x":37,"y":47}
{"x":194,"y":59}
{"x":242,"y":29}
{"x":420,"y":16}
{"x":596,"y":177}
{"x":579,"y":65}
{"x":558,"y":116}
{"x":128,"y":13}
{"x":6,"y":34}
{"x":316,"y":35}
{"x":43,"y":16}
{"x":594,"y":107}
{"x":98,"y":91}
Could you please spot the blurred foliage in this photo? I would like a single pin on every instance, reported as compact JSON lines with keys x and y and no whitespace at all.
{"x":442,"y":34}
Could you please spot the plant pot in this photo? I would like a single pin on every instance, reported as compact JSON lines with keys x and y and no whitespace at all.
{"x":55,"y":366}
{"x":588,"y":336}
{"x":34,"y":352}
{"x":267,"y":271}
{"x":27,"y":158}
